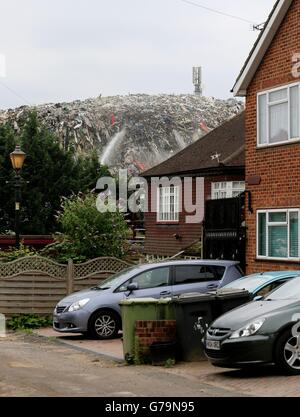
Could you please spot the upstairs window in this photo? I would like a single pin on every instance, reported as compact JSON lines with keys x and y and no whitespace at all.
{"x":168,"y":204}
{"x":227,"y":189}
{"x":278,"y":115}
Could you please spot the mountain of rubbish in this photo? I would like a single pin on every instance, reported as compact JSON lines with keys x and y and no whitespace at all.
{"x":134,"y":131}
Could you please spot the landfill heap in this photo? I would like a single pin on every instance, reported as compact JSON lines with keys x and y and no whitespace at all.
{"x":134,"y":131}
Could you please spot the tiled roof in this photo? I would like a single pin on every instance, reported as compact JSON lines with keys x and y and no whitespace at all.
{"x":227,"y":141}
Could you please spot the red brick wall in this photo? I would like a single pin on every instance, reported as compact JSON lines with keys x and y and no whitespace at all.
{"x":160,"y":238}
{"x":35,"y":241}
{"x":149,"y":332}
{"x":279,"y":166}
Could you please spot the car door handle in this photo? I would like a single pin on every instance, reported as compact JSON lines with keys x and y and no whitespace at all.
{"x":165,"y":293}
{"x":212,"y":287}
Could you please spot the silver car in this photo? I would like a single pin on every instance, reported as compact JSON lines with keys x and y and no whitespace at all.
{"x":96,"y":311}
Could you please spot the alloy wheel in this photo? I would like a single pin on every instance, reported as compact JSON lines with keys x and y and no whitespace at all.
{"x":105,"y":326}
{"x":292,"y":352}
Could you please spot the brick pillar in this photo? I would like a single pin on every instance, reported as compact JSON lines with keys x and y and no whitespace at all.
{"x":149,"y":332}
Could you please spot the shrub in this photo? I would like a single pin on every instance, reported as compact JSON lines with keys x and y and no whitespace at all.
{"x":62,"y":250}
{"x":12,"y":254}
{"x":89,"y":233}
{"x":28,"y":321}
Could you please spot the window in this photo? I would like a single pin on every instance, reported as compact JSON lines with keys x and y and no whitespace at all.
{"x":278,"y":115}
{"x":193,"y":274}
{"x":271,"y":287}
{"x":222,"y":190}
{"x":158,"y":277}
{"x":168,"y":204}
{"x":264,"y":291}
{"x":278,"y":234}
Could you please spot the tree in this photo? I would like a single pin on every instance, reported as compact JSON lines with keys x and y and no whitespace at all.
{"x":49,"y":173}
{"x":89,"y":171}
{"x":89,"y":232}
{"x":7,"y":145}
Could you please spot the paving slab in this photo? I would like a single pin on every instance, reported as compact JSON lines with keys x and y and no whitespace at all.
{"x":111,"y":349}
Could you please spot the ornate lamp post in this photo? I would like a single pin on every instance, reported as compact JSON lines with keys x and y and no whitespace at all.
{"x":17,"y":160}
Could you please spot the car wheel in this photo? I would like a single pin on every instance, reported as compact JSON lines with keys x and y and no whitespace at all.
{"x":104,"y":325}
{"x":287,"y":354}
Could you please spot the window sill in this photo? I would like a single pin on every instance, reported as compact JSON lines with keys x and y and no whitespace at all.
{"x":274,"y":145}
{"x":278,"y":260}
{"x":159,"y":223}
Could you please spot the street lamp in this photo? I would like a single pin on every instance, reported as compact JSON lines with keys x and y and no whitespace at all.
{"x":17,"y":160}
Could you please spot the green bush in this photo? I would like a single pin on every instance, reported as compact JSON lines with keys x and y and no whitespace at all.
{"x":88,"y":233}
{"x":62,"y":250}
{"x":28,"y":322}
{"x":12,"y":254}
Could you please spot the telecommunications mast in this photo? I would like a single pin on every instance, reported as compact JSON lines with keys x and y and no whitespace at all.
{"x":197,"y":80}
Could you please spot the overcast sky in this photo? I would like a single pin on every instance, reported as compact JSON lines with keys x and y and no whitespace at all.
{"x":62,"y":50}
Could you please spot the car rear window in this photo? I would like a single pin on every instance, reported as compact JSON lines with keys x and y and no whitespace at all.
{"x":186,"y":274}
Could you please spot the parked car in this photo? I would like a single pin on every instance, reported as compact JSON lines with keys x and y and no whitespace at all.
{"x":96,"y":311}
{"x":259,"y":285}
{"x":260,"y":332}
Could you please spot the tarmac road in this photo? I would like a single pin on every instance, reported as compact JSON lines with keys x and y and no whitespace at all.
{"x":31,"y":366}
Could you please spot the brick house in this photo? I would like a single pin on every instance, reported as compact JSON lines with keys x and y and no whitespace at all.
{"x":218,"y":160}
{"x":270,"y":82}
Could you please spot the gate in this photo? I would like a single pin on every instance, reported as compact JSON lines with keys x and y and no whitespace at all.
{"x":224,"y":230}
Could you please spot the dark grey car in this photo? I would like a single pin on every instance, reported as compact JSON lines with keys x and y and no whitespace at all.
{"x":96,"y":311}
{"x":261,"y":332}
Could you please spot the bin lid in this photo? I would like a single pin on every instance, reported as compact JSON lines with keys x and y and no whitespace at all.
{"x":135,"y":301}
{"x":194,"y":297}
{"x":232,"y":293}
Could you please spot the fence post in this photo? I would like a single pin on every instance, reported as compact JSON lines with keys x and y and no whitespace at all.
{"x":70,"y":277}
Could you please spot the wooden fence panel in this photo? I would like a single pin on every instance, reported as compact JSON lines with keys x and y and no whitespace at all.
{"x":97,"y":270}
{"x":81,"y":284}
{"x":34,"y":293}
{"x":34,"y":285}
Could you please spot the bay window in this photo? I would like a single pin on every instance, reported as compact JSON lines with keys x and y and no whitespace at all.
{"x":168,"y":204}
{"x":278,"y":234}
{"x":278,"y":115}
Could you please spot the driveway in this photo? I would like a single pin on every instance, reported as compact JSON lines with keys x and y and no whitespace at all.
{"x":35,"y":366}
{"x":110,"y":349}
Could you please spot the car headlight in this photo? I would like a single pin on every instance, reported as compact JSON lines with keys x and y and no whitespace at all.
{"x":78,"y":305}
{"x":248,"y":330}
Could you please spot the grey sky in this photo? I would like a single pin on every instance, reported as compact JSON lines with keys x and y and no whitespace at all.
{"x":62,"y":50}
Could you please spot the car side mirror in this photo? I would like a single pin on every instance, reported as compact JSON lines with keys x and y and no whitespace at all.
{"x":132,"y":287}
{"x":258,"y":298}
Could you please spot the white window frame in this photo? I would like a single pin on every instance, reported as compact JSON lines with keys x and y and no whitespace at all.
{"x":270,"y":224}
{"x":226,"y":187}
{"x":267,"y":93}
{"x":164,"y":214}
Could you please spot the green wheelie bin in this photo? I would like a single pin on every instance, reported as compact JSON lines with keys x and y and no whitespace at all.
{"x":134,"y":309}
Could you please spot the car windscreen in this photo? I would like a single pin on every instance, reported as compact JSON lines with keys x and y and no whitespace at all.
{"x":250,"y":283}
{"x":288,"y":291}
{"x":116,"y":279}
